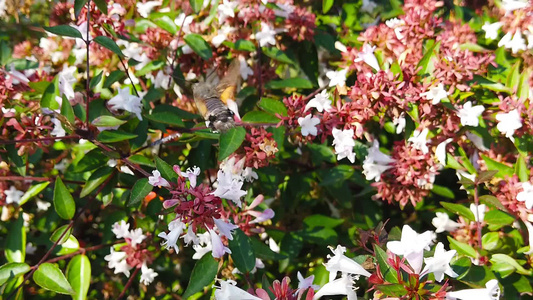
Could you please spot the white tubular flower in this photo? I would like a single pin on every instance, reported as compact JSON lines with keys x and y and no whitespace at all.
{"x":147,"y":274}
{"x":420,"y":140}
{"x":340,"y":286}
{"x":308,"y":125}
{"x":508,"y":123}
{"x":229,"y":291}
{"x":478,"y":211}
{"x":435,"y":94}
{"x":412,"y":246}
{"x":470,"y":115}
{"x":341,"y":263}
{"x":490,"y":292}
{"x":157,"y":180}
{"x":13,"y":195}
{"x":439,"y":264}
{"x":176,"y":228}
{"x":526,"y":195}
{"x":367,"y":56}
{"x":121,"y":229}
{"x":123,"y":100}
{"x":321,"y":102}
{"x":344,"y":143}
{"x":225,"y":228}
{"x":443,"y":223}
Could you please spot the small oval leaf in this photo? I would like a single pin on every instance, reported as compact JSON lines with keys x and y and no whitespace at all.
{"x":49,"y":277}
{"x":109,"y":44}
{"x":199,"y":45}
{"x":79,"y":276}
{"x":242,"y":251}
{"x":140,"y":190}
{"x":63,"y":202}
{"x":12,"y":270}
{"x":64,"y":30}
{"x":230,"y":141}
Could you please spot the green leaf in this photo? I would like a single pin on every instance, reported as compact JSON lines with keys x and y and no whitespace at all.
{"x":202,"y":275}
{"x":230,"y":141}
{"x":64,"y":30}
{"x":97,"y":178}
{"x":91,"y":160}
{"x":102,"y":5}
{"x":66,"y":109}
{"x":388,"y":273}
{"x":322,"y":221}
{"x":521,"y":169}
{"x":166,"y":170}
{"x":326,"y":5}
{"x":109,"y":44}
{"x":427,"y":64}
{"x":485,"y":176}
{"x":63,"y":202}
{"x":491,"y":241}
{"x":140,"y":190}
{"x":166,"y":117}
{"x":443,"y":191}
{"x":113,"y":136}
{"x":242,"y":252}
{"x":392,"y":289}
{"x":49,"y":96}
{"x":459,"y":209}
{"x":506,"y":260}
{"x":15,"y":243}
{"x":177,"y":112}
{"x":167,"y":24}
{"x":12,"y":270}
{"x":514,"y":75}
{"x":262,"y":251}
{"x":260,"y":117}
{"x":499,"y":218}
{"x":196,"y":5}
{"x":96,"y":80}
{"x":244,"y":45}
{"x":492,"y":202}
{"x":199,"y":45}
{"x":78,"y":5}
{"x":523,"y":86}
{"x":273,"y":106}
{"x":107,"y":121}
{"x":503,"y":169}
{"x":278,"y":55}
{"x":16,"y":159}
{"x":50,"y":277}
{"x":491,"y":85}
{"x":61,"y":234}
{"x":113,"y":77}
{"x":462,"y":247}
{"x":79,"y":276}
{"x":33,"y":191}
{"x":70,"y":246}
{"x":299,"y":83}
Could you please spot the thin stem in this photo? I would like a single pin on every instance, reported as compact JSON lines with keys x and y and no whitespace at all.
{"x":128,"y":284}
{"x":82,"y":251}
{"x":50,"y":138}
{"x":259,"y":73}
{"x":478,"y":222}
{"x":87,"y":86}
{"x":313,"y":94}
{"x":129,"y":77}
{"x":125,"y":160}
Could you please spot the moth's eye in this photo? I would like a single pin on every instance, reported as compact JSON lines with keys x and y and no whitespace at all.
{"x":230,"y":112}
{"x":212,"y":118}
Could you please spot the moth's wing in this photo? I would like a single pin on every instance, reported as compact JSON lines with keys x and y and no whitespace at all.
{"x":201,"y":92}
{"x":227,"y":87}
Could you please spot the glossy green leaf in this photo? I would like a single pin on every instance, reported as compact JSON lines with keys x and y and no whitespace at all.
{"x":140,"y":190}
{"x":102,"y":5}
{"x":12,"y":270}
{"x":61,"y":234}
{"x":78,"y":5}
{"x":443,"y":191}
{"x":503,"y":169}
{"x":64,"y":30}
{"x":497,"y":217}
{"x":33,"y":191}
{"x":322,"y":221}
{"x":244,"y":45}
{"x":523,"y":88}
{"x":273,"y":106}
{"x":79,"y":276}
{"x":278,"y":55}
{"x":462,"y":248}
{"x":326,"y":5}
{"x":67,"y":110}
{"x":15,"y":243}
{"x":514,"y":76}
{"x":263,"y":251}
{"x":97,"y":178}
{"x":299,"y":83}
{"x":109,"y":44}
{"x":459,"y":209}
{"x":196,"y":5}
{"x":50,"y":277}
{"x":113,"y":136}
{"x":107,"y":121}
{"x":388,"y":273}
{"x":521,"y":169}
{"x":202,"y":275}
{"x":199,"y":45}
{"x":166,"y":170}
{"x":166,"y":117}
{"x":49,"y":97}
{"x":230,"y":141}
{"x":167,"y":24}
{"x":71,"y":245}
{"x":242,"y":251}
{"x":113,"y":77}
{"x":91,"y":160}
{"x":506,"y":260}
{"x":427,"y":63}
{"x":492,"y":202}
{"x":63,"y":201}
{"x":260,"y":117}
